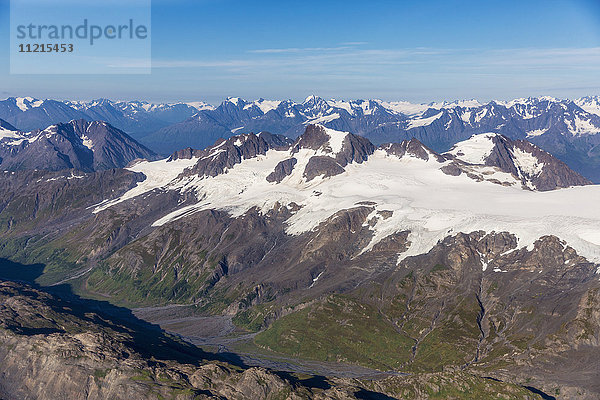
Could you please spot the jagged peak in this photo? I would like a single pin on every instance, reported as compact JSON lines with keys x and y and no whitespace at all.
{"x":412,"y":148}
{"x":317,"y":137}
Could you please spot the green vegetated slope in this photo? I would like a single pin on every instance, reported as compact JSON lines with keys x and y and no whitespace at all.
{"x":339,"y":329}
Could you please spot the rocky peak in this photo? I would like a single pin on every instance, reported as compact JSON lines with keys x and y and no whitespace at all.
{"x":333,"y":150}
{"x":314,"y":137}
{"x":185,"y":154}
{"x":412,"y":147}
{"x":535,"y":168}
{"x":225,"y":153}
{"x":343,"y":146}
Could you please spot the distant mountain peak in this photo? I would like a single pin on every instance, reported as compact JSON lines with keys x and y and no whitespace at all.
{"x":84,"y":145}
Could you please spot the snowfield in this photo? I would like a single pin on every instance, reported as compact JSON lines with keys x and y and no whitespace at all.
{"x":424,"y":200}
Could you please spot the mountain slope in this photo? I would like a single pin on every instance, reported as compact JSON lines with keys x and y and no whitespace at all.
{"x":5,"y":126}
{"x":392,"y":257}
{"x":560,"y":127}
{"x":90,"y":355}
{"x":86,"y":146}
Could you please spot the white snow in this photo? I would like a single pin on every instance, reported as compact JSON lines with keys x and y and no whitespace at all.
{"x":536,"y":132}
{"x":475,"y":149}
{"x":87,"y":142}
{"x":481,"y":114}
{"x":26,"y":103}
{"x":527,"y":162}
{"x":336,"y":139}
{"x":413,"y":123}
{"x":365,"y":106}
{"x":5,"y":133}
{"x":200,"y":105}
{"x":466,"y":116}
{"x":456,"y":103}
{"x":323,"y":119}
{"x":589,"y":104}
{"x":345,"y":105}
{"x":316,"y":279}
{"x":159,"y":174}
{"x":404,"y":107}
{"x":267,"y":105}
{"x":580,"y":126}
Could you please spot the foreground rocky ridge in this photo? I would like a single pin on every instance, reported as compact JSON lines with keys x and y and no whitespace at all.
{"x":52,"y":348}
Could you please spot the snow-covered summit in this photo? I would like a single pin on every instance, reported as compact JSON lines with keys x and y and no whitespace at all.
{"x":476,"y":149}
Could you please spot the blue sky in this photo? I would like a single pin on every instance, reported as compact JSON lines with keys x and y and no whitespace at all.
{"x":419,"y":51}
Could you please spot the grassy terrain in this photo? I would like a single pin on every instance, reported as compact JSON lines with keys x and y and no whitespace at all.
{"x":338,"y":329}
{"x":449,"y":385}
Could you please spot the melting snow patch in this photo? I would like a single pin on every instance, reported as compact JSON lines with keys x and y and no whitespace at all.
{"x":316,"y":279}
{"x":537,"y":132}
{"x":527,"y":162}
{"x":87,"y":142}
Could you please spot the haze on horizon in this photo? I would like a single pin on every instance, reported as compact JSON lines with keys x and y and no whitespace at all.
{"x":420,"y":52}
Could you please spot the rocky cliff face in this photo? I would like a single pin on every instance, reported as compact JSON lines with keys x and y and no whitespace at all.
{"x":225,"y":154}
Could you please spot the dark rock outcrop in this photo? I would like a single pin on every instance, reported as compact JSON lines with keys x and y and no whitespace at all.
{"x":282,"y":169}
{"x":322,"y":166}
{"x":412,"y":147}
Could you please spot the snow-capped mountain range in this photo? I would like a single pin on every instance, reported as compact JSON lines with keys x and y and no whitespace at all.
{"x":487,"y":183}
{"x":135,"y":117}
{"x":566,"y":128}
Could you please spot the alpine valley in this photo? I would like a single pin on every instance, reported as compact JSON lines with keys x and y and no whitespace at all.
{"x":361,"y":249}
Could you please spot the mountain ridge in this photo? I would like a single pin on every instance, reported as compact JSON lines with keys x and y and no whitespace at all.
{"x":78,"y":144}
